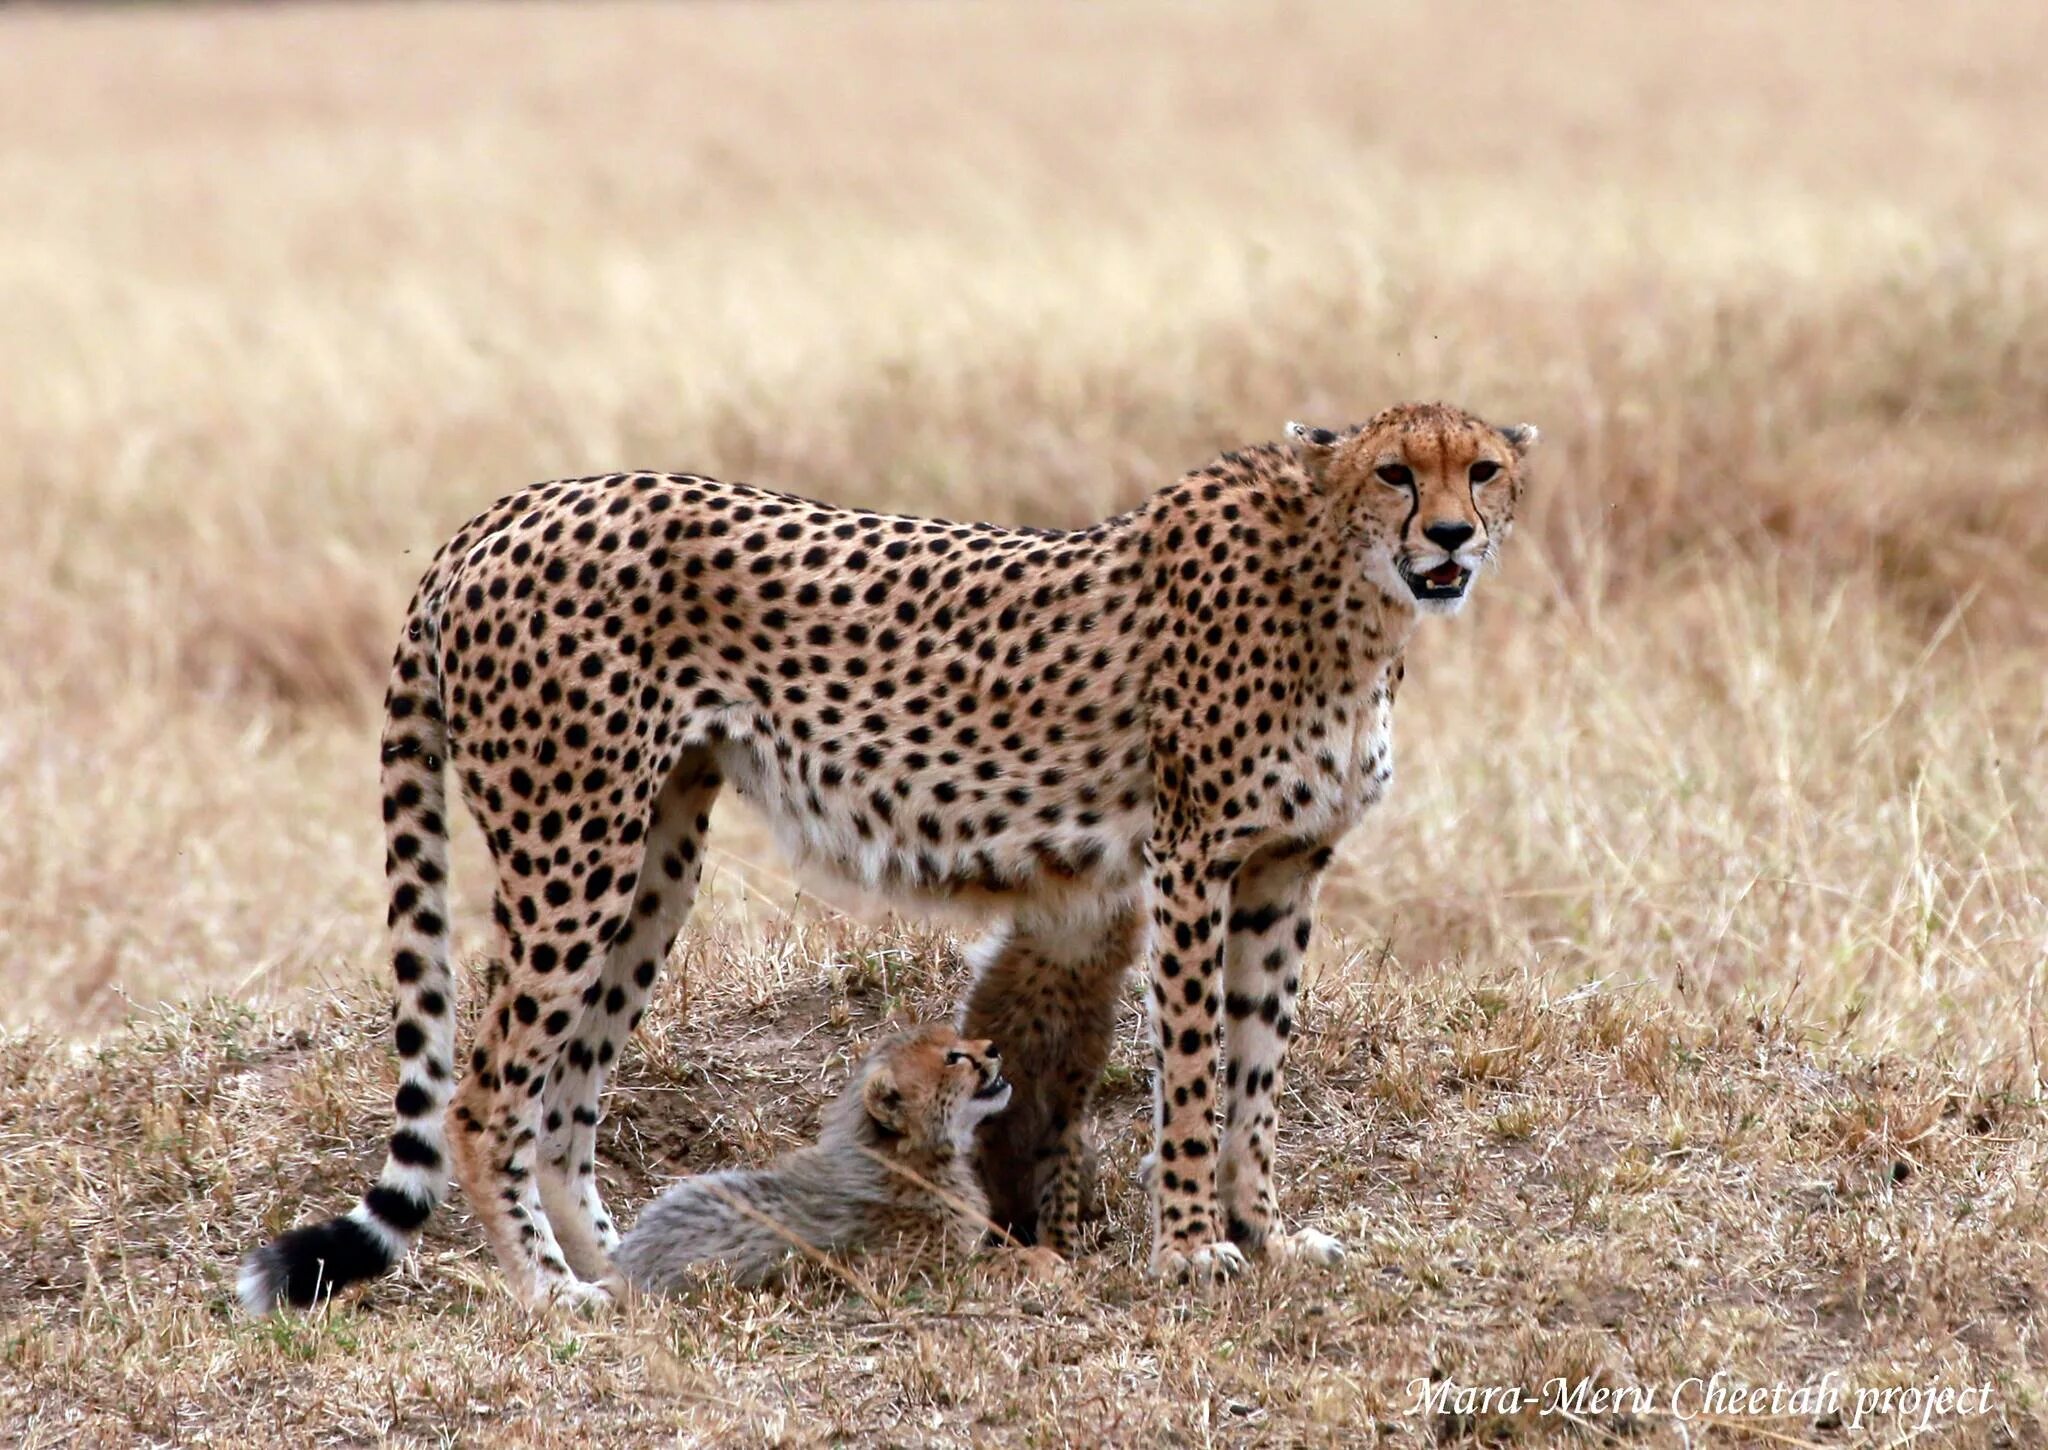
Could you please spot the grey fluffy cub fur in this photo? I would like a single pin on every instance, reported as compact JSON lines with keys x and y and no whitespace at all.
{"x":894,"y":1161}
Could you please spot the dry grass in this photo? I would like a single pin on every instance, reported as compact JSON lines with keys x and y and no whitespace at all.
{"x":1594,"y":1185}
{"x":1751,"y":729}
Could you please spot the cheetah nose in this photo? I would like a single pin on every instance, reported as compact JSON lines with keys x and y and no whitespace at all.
{"x":1448,"y":533}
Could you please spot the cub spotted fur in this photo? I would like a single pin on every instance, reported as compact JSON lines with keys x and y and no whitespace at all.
{"x":894,"y":1161}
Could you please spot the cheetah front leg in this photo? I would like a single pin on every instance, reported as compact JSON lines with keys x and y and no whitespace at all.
{"x":612,"y":1008}
{"x":1271,"y":909}
{"x":1188,"y":896}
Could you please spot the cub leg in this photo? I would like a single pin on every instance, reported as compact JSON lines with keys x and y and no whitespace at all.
{"x":1045,"y":993}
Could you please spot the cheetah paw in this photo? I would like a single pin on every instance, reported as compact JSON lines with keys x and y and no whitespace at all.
{"x":1040,"y":1265}
{"x":577,"y":1296}
{"x":1305,"y":1246}
{"x":1209,"y":1264}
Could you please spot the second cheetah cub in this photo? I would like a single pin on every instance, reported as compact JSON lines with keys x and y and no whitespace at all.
{"x":894,"y":1161}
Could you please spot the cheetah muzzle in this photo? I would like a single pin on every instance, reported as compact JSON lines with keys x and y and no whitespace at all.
{"x":994,"y":1090}
{"x":1447,"y":580}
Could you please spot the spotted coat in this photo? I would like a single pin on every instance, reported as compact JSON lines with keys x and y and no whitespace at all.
{"x":1142,"y":736}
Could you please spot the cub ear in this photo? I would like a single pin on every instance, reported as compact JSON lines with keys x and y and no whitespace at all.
{"x":1316,"y":445}
{"x":1521,"y":437}
{"x":883,"y":1100}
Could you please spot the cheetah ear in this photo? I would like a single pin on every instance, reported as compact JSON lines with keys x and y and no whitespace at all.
{"x":1316,"y":446}
{"x":1521,"y":437}
{"x":883,"y":1100}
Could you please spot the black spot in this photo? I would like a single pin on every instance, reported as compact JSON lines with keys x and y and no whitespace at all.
{"x":410,"y":1148}
{"x":400,"y":1210}
{"x":1262,"y":919}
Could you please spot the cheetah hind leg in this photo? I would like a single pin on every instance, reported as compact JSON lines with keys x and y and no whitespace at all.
{"x":613,"y":1007}
{"x":496,"y":1119}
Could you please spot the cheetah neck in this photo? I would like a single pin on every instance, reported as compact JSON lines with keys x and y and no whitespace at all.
{"x":1359,"y":630}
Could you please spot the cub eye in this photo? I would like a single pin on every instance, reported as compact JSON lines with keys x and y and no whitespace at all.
{"x":1396,"y":475}
{"x":957,"y":1056}
{"x":1483,"y":471}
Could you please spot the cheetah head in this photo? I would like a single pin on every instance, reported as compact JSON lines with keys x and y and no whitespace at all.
{"x":930,"y":1087}
{"x":1429,"y":489}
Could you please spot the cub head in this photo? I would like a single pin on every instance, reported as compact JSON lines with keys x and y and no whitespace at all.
{"x":929,"y":1087}
{"x":1430,"y":491}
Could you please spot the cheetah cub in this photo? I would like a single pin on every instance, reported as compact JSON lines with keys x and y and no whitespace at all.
{"x":894,"y":1162}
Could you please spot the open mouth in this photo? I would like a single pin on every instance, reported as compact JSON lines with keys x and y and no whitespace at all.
{"x":1446,"y":581}
{"x":995,"y":1087}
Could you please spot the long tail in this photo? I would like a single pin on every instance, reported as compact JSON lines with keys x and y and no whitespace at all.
{"x":309,"y":1263}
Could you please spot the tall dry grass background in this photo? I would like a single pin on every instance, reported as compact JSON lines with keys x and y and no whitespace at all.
{"x":1757,"y":705}
{"x":1752,"y":719}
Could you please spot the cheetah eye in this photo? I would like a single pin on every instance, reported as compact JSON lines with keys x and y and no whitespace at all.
{"x":1396,"y":475}
{"x":1483,"y":471}
{"x":956,"y":1056}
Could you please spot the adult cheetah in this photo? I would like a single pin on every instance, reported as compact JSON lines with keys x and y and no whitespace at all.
{"x":1143,"y":735}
